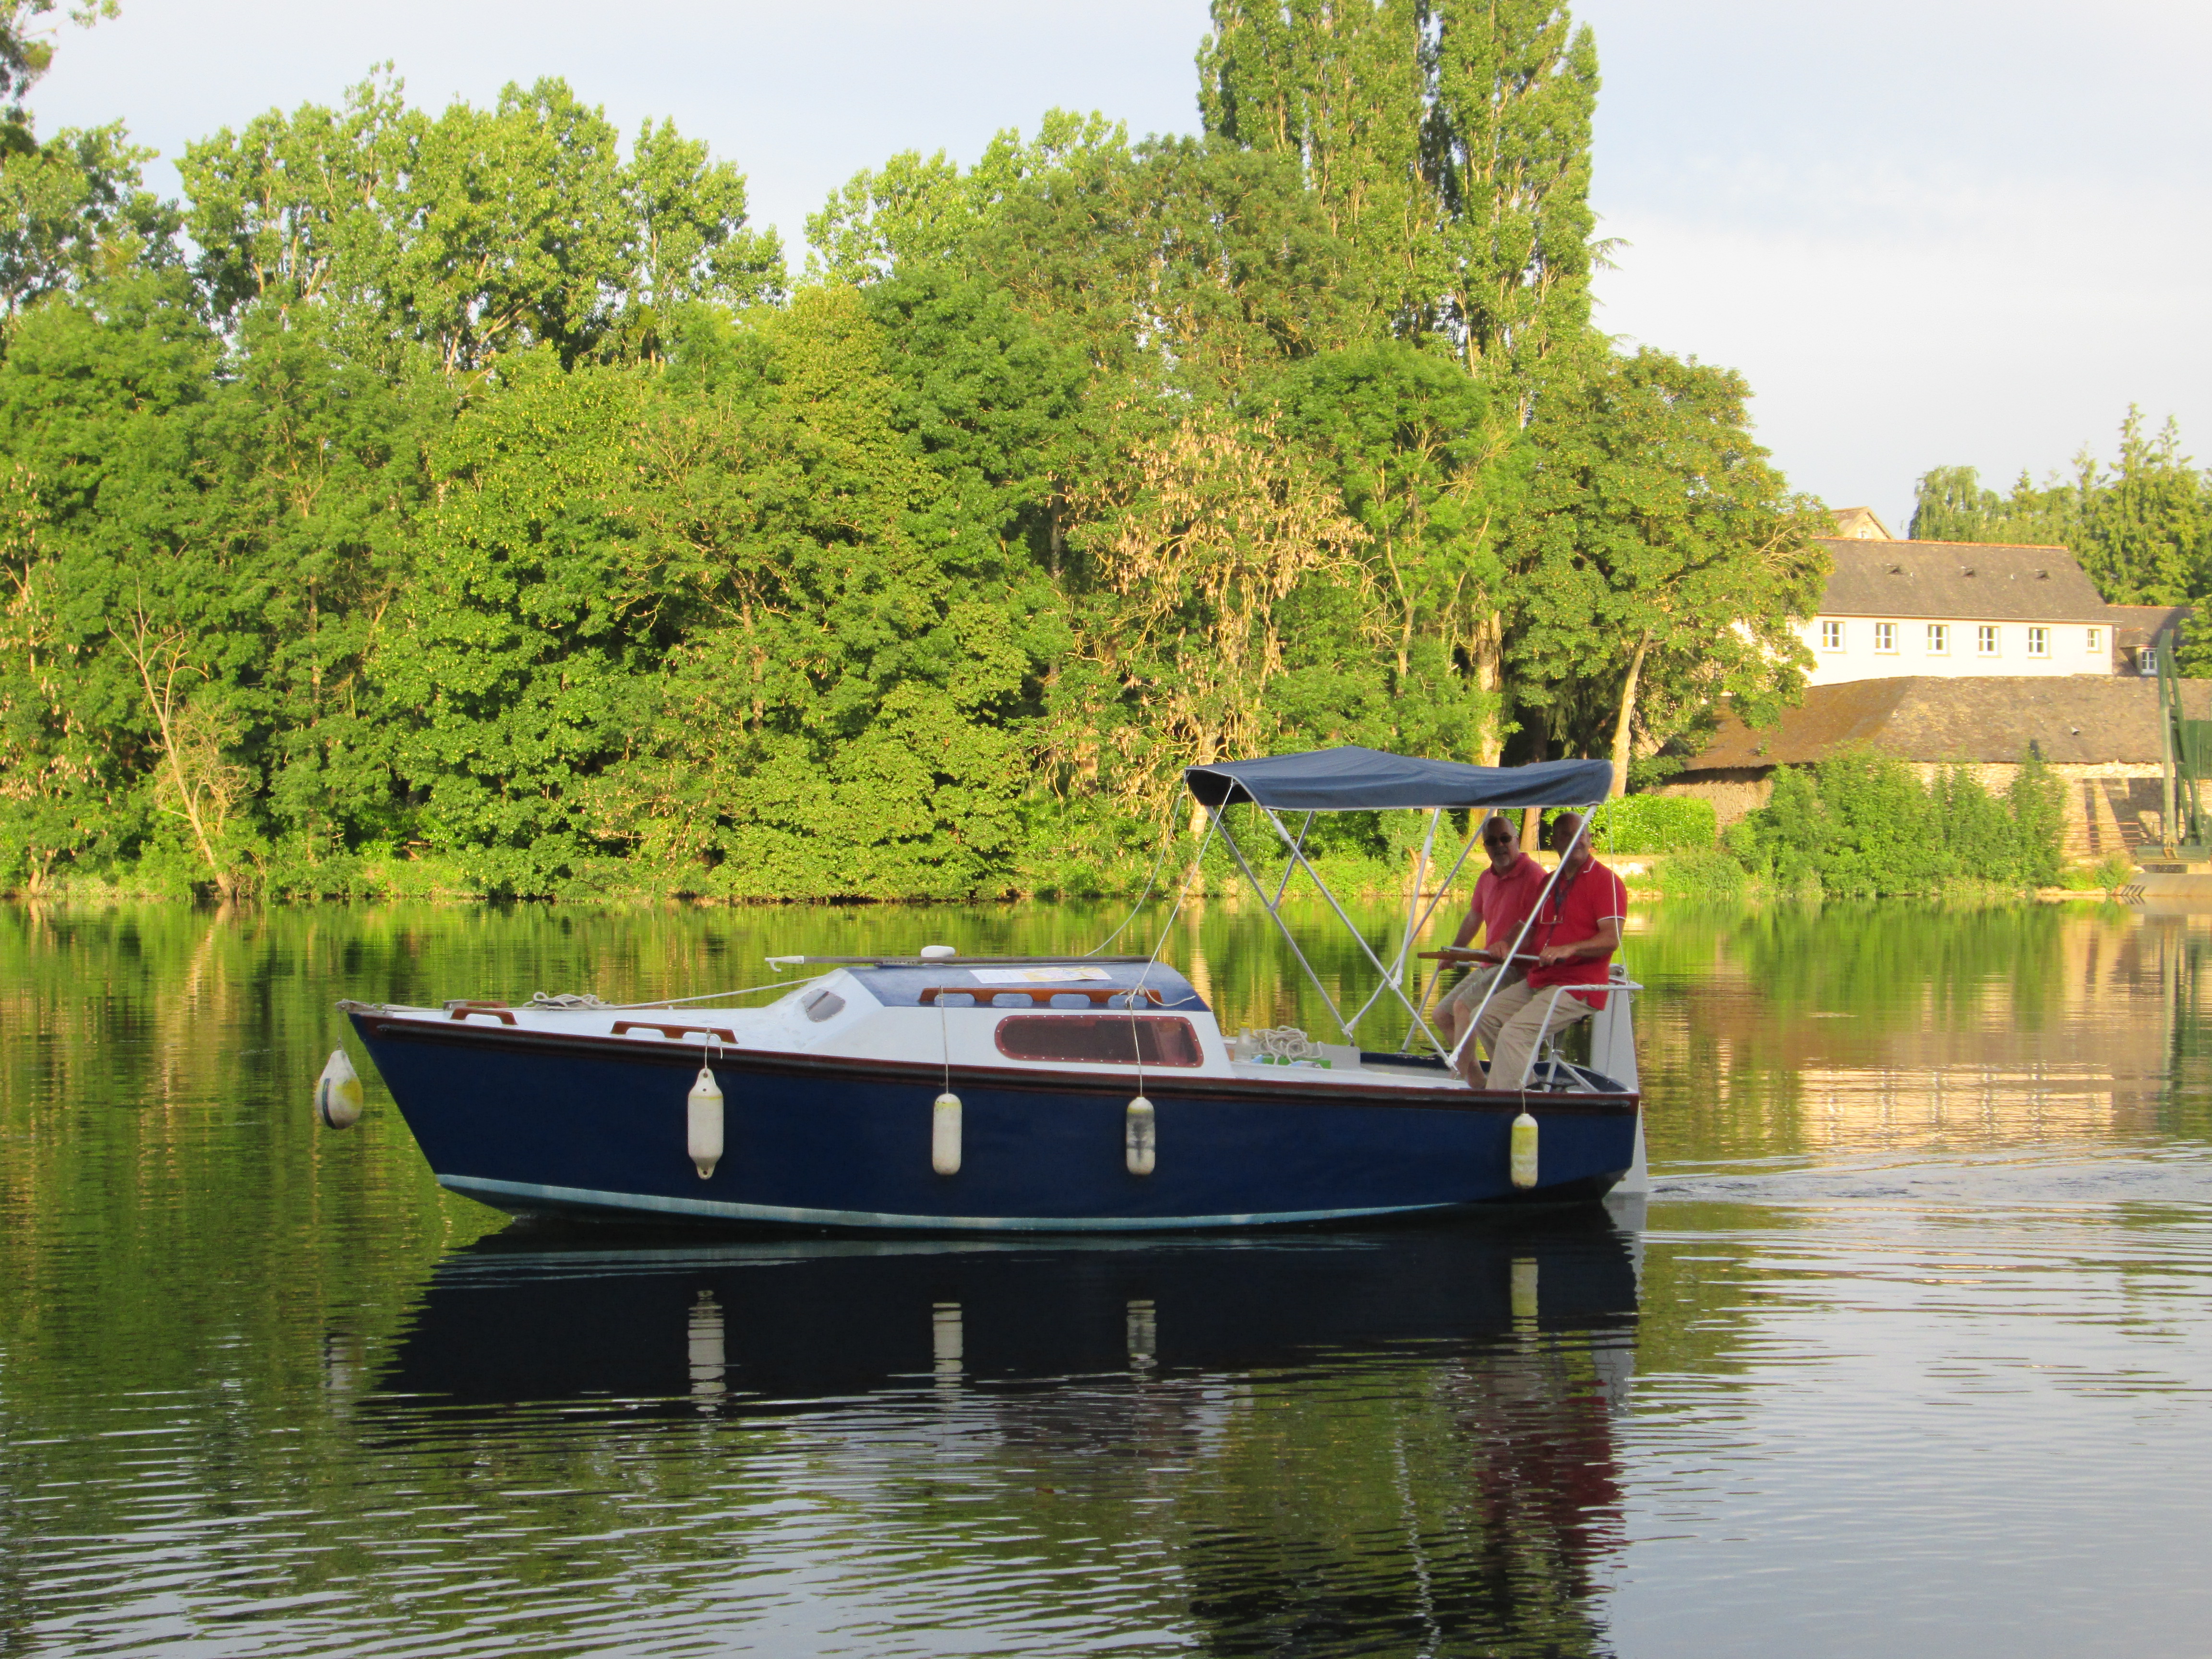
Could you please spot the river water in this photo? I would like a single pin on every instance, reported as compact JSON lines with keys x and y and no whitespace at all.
{"x":1908,"y":1354}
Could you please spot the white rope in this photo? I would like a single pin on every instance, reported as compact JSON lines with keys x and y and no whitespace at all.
{"x":1287,"y":1043}
{"x":1167,"y":843}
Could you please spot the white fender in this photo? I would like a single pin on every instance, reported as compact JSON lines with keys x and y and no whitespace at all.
{"x":337,"y":1092}
{"x":1524,"y":1152}
{"x":945,"y":1134}
{"x":703,"y":1125}
{"x":1139,"y":1138}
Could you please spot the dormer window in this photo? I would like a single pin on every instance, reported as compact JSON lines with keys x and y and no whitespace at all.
{"x":2146,"y":660}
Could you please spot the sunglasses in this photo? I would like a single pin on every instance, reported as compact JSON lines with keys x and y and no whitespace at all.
{"x":1497,"y":840}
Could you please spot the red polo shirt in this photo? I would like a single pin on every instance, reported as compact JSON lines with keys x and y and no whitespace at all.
{"x":1505,"y":901}
{"x":1571,"y":914}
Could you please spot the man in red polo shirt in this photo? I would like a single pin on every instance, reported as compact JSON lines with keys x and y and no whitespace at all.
{"x":1577,"y":929}
{"x":1503,"y":897}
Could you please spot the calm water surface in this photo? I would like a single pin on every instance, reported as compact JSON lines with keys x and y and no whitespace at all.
{"x":1908,"y":1355}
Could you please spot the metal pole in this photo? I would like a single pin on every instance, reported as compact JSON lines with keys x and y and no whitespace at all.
{"x":1428,"y":995}
{"x":1285,"y":882}
{"x":1358,"y":937}
{"x":2162,"y":649}
{"x":1237,"y":853}
{"x":1413,"y":912}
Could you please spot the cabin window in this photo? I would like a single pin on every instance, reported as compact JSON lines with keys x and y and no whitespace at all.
{"x":2096,"y":639}
{"x":2039,"y":641}
{"x":1831,"y":637}
{"x":1885,"y":636}
{"x":1939,"y":639}
{"x":1985,"y":640}
{"x":1100,"y":1039}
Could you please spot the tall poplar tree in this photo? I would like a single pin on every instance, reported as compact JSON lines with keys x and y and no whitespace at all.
{"x":1450,"y":144}
{"x":1508,"y":152}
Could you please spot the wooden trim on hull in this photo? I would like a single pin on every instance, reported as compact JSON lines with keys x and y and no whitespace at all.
{"x":525,"y":1198}
{"x":1042,"y":1078}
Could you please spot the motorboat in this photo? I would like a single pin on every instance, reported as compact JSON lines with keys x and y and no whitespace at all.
{"x":934,"y":1093}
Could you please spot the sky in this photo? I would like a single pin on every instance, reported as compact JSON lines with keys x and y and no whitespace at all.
{"x":1953,"y":232}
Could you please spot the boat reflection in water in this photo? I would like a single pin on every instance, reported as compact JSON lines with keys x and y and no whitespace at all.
{"x":1310,"y":1442}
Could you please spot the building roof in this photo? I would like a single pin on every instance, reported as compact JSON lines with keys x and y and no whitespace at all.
{"x":2141,"y":624}
{"x":1967,"y":581}
{"x":2085,"y":718}
{"x":1861,"y":524}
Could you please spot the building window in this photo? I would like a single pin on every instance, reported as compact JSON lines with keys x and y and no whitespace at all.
{"x":1939,"y":639}
{"x":1831,"y":637}
{"x":2096,"y":639}
{"x":1885,"y":636}
{"x":1985,"y":640}
{"x":2039,"y":641}
{"x":2147,"y":660}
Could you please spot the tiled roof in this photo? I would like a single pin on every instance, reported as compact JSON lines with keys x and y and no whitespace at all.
{"x":2080,"y":718}
{"x":1965,"y":581}
{"x":2141,"y":624}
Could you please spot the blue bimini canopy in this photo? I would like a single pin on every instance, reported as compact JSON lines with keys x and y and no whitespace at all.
{"x":1356,"y":780}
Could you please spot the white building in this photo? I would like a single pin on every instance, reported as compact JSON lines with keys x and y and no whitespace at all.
{"x":1953,"y":609}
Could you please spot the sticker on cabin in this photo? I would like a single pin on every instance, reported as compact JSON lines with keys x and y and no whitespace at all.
{"x":1035,"y":975}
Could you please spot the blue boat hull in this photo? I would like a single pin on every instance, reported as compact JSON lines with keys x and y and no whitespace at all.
{"x":536,"y":1123}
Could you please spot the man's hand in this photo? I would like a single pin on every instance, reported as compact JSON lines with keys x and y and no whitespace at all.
{"x":1603,"y":942}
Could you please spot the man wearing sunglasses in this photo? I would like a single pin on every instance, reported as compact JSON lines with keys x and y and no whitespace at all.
{"x":1503,"y":896}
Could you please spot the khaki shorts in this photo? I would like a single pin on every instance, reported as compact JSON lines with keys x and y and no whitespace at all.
{"x":1464,"y":998}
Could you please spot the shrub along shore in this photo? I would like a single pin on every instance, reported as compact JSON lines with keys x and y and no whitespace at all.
{"x":1858,"y":825}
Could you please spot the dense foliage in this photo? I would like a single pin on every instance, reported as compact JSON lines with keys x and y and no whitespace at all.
{"x":469,"y":501}
{"x":1863,"y":825}
{"x":1654,"y":823}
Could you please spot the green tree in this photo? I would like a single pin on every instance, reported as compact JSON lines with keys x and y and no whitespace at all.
{"x":133,"y":625}
{"x":2144,"y":527}
{"x":474,"y":233}
{"x":25,"y":53}
{"x":913,"y":212}
{"x":1427,"y":465}
{"x":845,"y":712}
{"x":73,"y":208}
{"x":1449,"y":145}
{"x":1661,"y":560}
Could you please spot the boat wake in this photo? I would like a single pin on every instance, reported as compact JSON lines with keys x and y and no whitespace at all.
{"x":2084,"y":1173}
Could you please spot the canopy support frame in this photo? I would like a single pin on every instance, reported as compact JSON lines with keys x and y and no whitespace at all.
{"x":1413,"y":918}
{"x":1220,"y":821}
{"x":1358,"y":938}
